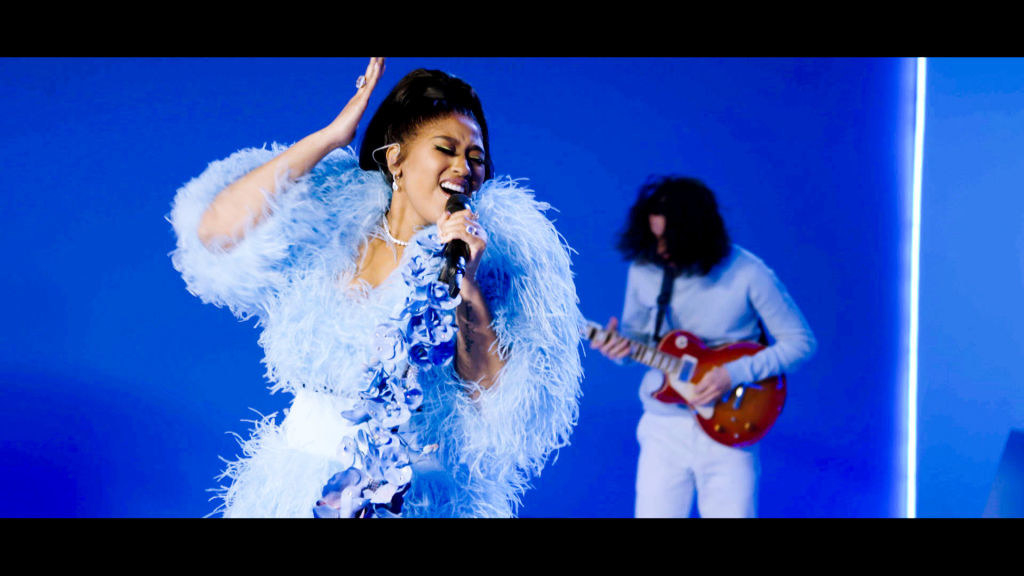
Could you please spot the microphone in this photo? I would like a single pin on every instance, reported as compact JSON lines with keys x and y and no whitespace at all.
{"x":456,"y":252}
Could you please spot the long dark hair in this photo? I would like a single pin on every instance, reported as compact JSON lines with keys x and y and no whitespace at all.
{"x":420,"y":97}
{"x":694,"y":230}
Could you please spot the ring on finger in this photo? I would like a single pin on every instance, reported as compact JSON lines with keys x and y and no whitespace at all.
{"x":473,"y":229}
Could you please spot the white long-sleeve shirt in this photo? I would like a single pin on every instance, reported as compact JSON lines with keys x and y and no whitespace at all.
{"x":720,"y":308}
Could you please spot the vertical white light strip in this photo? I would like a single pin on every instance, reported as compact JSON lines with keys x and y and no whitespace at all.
{"x":915,"y":259}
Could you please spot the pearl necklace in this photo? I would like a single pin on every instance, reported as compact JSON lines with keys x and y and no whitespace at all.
{"x":387,"y":231}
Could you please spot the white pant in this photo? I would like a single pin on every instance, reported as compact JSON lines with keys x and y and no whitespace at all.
{"x":677,"y":459}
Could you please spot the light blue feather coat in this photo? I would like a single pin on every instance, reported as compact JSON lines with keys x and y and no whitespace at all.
{"x":292,"y":274}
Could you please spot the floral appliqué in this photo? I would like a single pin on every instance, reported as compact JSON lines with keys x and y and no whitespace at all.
{"x":419,"y":334}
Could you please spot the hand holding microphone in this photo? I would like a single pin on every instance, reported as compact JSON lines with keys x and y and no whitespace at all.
{"x":465,"y":239}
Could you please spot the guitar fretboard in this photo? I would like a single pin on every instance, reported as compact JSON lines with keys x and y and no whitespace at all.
{"x":639,"y":352}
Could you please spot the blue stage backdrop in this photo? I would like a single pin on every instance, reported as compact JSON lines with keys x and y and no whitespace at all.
{"x":119,"y":389}
{"x":972,"y":280}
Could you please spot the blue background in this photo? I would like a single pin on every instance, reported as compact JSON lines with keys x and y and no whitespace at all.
{"x":119,"y":388}
{"x":972,"y":281}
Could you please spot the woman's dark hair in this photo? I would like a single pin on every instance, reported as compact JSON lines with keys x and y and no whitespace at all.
{"x":694,"y":230}
{"x":420,"y":97}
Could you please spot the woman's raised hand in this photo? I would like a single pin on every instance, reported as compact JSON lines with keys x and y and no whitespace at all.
{"x":243,"y":203}
{"x":343,"y":129}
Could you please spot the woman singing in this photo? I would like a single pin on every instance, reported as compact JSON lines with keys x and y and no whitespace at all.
{"x":408,"y":400}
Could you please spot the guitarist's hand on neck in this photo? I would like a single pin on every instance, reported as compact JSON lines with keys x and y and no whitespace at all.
{"x":615,"y":347}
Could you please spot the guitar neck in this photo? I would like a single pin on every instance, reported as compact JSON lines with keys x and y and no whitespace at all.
{"x":638,"y":351}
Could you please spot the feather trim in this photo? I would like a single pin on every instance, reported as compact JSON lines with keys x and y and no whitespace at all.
{"x":285,"y":271}
{"x":271,"y":479}
{"x":321,"y":216}
{"x":504,"y":438}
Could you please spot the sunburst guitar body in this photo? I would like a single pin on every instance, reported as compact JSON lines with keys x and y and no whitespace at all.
{"x":740,"y":419}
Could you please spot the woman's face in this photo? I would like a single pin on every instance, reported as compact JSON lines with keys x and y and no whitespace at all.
{"x":443,"y":157}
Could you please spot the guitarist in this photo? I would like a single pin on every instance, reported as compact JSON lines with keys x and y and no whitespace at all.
{"x":686,"y":274}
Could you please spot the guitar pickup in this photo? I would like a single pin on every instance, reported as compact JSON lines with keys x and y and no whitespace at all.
{"x":689,"y":367}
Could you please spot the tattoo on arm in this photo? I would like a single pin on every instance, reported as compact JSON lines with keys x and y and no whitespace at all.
{"x":467,"y":334}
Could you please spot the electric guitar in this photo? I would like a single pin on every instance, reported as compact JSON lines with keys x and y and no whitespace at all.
{"x":740,"y":419}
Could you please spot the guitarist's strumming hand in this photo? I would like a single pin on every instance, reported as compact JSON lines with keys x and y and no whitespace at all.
{"x":615,"y":347}
{"x":712,"y":386}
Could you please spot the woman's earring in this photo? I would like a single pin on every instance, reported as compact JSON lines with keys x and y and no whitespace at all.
{"x":394,"y":160}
